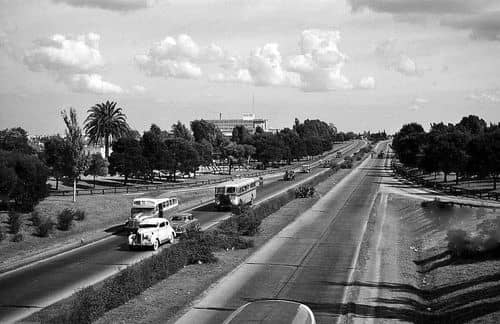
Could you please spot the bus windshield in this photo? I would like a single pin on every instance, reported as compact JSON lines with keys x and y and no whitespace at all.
{"x":219,"y":190}
{"x":230,"y":190}
{"x":143,"y":211}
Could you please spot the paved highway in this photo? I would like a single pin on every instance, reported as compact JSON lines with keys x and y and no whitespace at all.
{"x":308,"y":260}
{"x":26,"y":290}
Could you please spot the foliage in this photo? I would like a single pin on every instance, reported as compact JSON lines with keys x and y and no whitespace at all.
{"x":104,"y":121}
{"x":304,"y":191}
{"x":78,"y":215}
{"x":65,"y":219}
{"x":3,"y":235}
{"x":408,"y":143}
{"x":54,"y":155}
{"x":241,"y":135}
{"x":18,"y":237}
{"x":23,"y":178}
{"x":76,"y":157}
{"x":127,"y":158}
{"x":97,"y":166}
{"x":183,"y":156}
{"x":14,"y":221}
{"x":179,"y":130}
{"x":44,"y":226}
{"x":15,"y":139}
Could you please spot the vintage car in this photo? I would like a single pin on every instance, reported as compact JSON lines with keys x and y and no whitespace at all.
{"x":339,"y":154}
{"x":151,"y":233}
{"x":272,"y":312}
{"x":182,"y":222}
{"x":305,"y":168}
{"x":289,"y":175}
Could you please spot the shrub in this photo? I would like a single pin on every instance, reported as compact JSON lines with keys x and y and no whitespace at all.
{"x":36,"y":218}
{"x":248,"y":223}
{"x":79,"y":215}
{"x":3,"y":235}
{"x":18,"y":237}
{"x":304,"y":192}
{"x":65,"y":219}
{"x":87,"y":306}
{"x":45,"y":227}
{"x":14,"y":221}
{"x":346,"y":165}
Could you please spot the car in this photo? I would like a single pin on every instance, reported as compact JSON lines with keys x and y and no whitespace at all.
{"x":272,"y":312}
{"x":152,"y":232}
{"x":289,"y":175}
{"x":339,"y":154}
{"x":182,"y":222}
{"x":306,"y":168}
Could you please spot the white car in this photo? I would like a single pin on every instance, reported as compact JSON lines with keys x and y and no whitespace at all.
{"x":151,"y":233}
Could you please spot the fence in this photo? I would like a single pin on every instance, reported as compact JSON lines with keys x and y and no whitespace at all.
{"x":413,"y":174}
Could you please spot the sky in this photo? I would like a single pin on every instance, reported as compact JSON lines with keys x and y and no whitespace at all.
{"x":359,"y":64}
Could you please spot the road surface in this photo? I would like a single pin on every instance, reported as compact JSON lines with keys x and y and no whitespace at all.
{"x":308,"y":260}
{"x":28,"y":289}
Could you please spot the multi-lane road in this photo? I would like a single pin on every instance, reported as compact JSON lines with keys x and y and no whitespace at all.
{"x":309,"y":261}
{"x":33,"y":287}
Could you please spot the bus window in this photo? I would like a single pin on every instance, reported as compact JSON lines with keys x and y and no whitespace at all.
{"x":219,"y":190}
{"x":231,"y":190}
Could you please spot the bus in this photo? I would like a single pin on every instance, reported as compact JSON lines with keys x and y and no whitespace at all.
{"x":236,"y":193}
{"x":144,"y":208}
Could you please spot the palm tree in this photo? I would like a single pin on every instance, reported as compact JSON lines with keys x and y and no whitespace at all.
{"x":105,"y":121}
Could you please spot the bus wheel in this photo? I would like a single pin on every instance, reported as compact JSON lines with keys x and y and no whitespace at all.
{"x":156,"y":244}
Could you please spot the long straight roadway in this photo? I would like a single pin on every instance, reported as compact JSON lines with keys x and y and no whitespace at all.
{"x":307,"y":260}
{"x":30,"y":288}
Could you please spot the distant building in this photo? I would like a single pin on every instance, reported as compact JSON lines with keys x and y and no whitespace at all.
{"x":248,"y":120}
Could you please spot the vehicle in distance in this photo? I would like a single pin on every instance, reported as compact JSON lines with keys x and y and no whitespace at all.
{"x":236,"y":193}
{"x":380,"y":155}
{"x":339,"y":154}
{"x":182,"y":222}
{"x":289,"y":175}
{"x":152,"y":232}
{"x":305,"y":168}
{"x":272,"y":312}
{"x":144,"y":208}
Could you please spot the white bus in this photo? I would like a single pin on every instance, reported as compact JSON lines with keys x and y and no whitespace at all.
{"x":144,"y":208}
{"x":236,"y":192}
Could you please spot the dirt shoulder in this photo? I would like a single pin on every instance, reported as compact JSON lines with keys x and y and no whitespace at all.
{"x":405,"y":273}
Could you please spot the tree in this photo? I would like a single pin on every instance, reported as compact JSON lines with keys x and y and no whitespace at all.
{"x":269,"y":147}
{"x":296,"y":145}
{"x":127,"y":158}
{"x":154,"y":149}
{"x":203,"y":130}
{"x":54,"y":153}
{"x":180,"y":130}
{"x":23,"y":178}
{"x":76,"y":157}
{"x":104,"y":122}
{"x":183,"y":156}
{"x":15,"y":139}
{"x":205,"y":152}
{"x":241,"y":135}
{"x":408,"y":143}
{"x":472,"y":124}
{"x":98,"y":166}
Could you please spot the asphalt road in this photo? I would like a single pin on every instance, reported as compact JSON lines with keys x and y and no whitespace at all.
{"x":310,"y":261}
{"x":28,"y":289}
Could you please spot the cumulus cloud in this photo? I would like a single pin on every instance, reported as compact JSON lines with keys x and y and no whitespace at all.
{"x":482,"y":26}
{"x":139,"y":89}
{"x":73,"y":61}
{"x":179,"y":57}
{"x":418,"y":6}
{"x":92,"y":83}
{"x":114,"y":5}
{"x":367,"y":83}
{"x":418,"y":103}
{"x":485,"y":96}
{"x":392,"y":58}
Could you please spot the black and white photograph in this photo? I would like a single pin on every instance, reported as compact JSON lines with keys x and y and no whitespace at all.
{"x":249,"y":161}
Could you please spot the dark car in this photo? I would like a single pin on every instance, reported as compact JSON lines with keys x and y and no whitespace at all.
{"x":289,"y":175}
{"x":182,"y":222}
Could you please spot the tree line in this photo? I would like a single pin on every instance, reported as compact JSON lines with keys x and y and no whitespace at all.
{"x":470,"y":148}
{"x":24,"y":171}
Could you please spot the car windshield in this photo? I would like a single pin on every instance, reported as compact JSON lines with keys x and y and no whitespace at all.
{"x":143,"y":211}
{"x":176,"y":218}
{"x":147,"y":225}
{"x":230,"y":189}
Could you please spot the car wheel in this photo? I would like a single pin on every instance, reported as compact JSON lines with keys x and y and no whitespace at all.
{"x":156,"y":244}
{"x":197,"y":227}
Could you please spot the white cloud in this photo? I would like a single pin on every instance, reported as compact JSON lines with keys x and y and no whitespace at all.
{"x":179,"y":57}
{"x":92,"y":83}
{"x":73,"y":61}
{"x":394,"y":59}
{"x":485,"y":96}
{"x":238,"y":76}
{"x":115,"y":5}
{"x":63,"y":54}
{"x":418,"y":103}
{"x":367,"y":83}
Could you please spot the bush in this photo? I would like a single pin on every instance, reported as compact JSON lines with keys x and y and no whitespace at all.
{"x":87,"y":306}
{"x":304,"y":192}
{"x":65,"y":219}
{"x":346,"y":165}
{"x":79,"y":215}
{"x":248,"y":223}
{"x":35,"y":218}
{"x":18,"y":237}
{"x":3,"y":235}
{"x":14,"y":221}
{"x":45,"y":227}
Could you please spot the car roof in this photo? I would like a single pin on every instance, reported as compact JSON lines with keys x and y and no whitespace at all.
{"x":153,"y":220}
{"x":238,"y":182}
{"x":272,"y":312}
